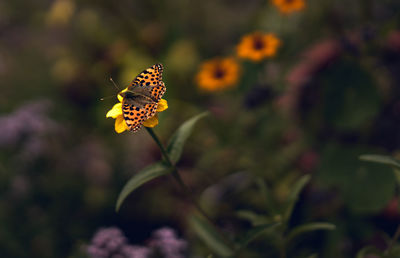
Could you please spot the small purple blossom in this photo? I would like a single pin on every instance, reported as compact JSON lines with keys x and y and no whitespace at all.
{"x":135,"y":251}
{"x":167,"y":243}
{"x":106,"y":243}
{"x":27,"y":129}
{"x":111,"y":243}
{"x":29,"y":119}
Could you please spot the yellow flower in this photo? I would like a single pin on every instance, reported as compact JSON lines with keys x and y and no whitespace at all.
{"x":288,"y":6}
{"x":258,"y":46}
{"x":218,"y":74}
{"x":120,"y":125}
{"x":60,"y":12}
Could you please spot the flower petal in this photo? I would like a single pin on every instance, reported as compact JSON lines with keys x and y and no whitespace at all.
{"x":151,"y":122}
{"x":120,"y":124}
{"x":162,"y":105}
{"x":115,"y":111}
{"x":119,"y":96}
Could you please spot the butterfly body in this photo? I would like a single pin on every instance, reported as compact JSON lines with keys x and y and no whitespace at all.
{"x":141,"y":99}
{"x":139,"y":96}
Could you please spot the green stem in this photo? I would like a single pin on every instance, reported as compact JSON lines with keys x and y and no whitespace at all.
{"x":282,"y":252}
{"x":163,"y":151}
{"x":175,"y":172}
{"x":282,"y":244}
{"x":180,"y":181}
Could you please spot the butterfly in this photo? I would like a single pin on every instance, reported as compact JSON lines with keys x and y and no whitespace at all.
{"x":141,"y":98}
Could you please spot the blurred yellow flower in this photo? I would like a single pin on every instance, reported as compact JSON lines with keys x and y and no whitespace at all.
{"x":120,"y":125}
{"x":288,"y":6}
{"x":218,"y":74}
{"x":258,"y":46}
{"x":60,"y":12}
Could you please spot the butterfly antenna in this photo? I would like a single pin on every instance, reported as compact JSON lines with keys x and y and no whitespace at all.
{"x":115,"y":85}
{"x":107,"y":97}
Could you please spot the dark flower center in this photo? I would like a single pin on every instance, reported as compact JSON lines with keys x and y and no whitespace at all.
{"x":258,"y":43}
{"x":219,"y":73}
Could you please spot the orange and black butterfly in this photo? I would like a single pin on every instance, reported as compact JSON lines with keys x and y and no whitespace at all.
{"x":141,"y":98}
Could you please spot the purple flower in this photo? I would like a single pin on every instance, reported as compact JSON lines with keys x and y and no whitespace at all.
{"x":168,"y":244}
{"x":106,"y":242}
{"x":27,"y":128}
{"x":111,"y":243}
{"x":29,"y":119}
{"x":96,"y":252}
{"x":134,"y":251}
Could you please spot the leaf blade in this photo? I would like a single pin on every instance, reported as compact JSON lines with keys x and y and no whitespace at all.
{"x":267,"y":196}
{"x":255,"y":232}
{"x":252,"y":217}
{"x":308,"y":228}
{"x":148,"y":173}
{"x":294,"y":195}
{"x":368,"y":250}
{"x":178,"y":140}
{"x":382,"y":159}
{"x":212,"y":238}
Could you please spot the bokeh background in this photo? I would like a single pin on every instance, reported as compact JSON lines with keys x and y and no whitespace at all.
{"x":329,"y":94}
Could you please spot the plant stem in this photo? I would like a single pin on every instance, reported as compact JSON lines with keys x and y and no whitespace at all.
{"x":180,"y":181}
{"x":175,"y":172}
{"x":161,"y":146}
{"x":282,"y":252}
{"x":282,"y":246}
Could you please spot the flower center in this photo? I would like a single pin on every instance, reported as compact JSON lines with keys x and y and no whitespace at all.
{"x":219,"y":73}
{"x":258,"y":43}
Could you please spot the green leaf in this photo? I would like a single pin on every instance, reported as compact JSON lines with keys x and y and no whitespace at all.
{"x":349,"y":96}
{"x":308,"y":228}
{"x":396,"y":173}
{"x":177,"y":141}
{"x":294,"y":195}
{"x":381,"y":159}
{"x":254,"y":218}
{"x":255,"y":232}
{"x":393,"y":252}
{"x":210,"y":236}
{"x":357,"y":181}
{"x":368,"y":250}
{"x":145,"y":175}
{"x":386,"y":160}
{"x":266,"y":195}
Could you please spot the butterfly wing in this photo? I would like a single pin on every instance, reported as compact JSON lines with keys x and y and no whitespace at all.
{"x":149,"y":77}
{"x":133,"y":115}
{"x":156,"y":94}
{"x":158,"y":91}
{"x":150,"y":80}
